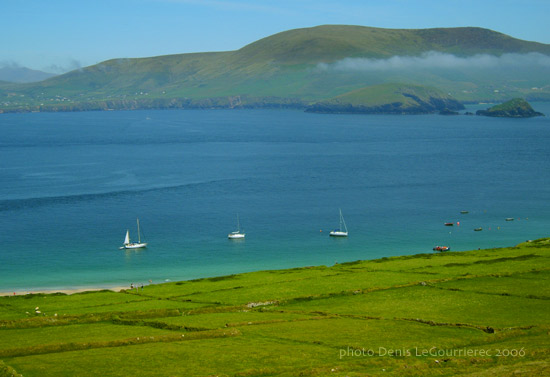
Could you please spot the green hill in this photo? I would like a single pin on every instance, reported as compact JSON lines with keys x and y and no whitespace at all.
{"x":296,"y":68}
{"x":329,"y":43}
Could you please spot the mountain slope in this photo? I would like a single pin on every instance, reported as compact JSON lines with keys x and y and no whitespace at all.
{"x":294,"y":67}
{"x":329,"y":43}
{"x":15,"y":73}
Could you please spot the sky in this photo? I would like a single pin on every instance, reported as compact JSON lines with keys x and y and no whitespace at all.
{"x":61,"y":35}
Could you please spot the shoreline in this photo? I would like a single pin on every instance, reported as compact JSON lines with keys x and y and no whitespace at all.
{"x":117,"y":287}
{"x":68,"y":291}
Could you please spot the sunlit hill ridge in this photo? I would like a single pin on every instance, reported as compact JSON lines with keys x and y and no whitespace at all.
{"x":298,"y":68}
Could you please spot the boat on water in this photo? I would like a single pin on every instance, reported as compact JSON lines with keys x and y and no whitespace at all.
{"x":449,"y":224}
{"x":133,"y":245}
{"x":236,"y":234}
{"x":478,"y":229}
{"x":441,"y":248}
{"x":464,"y":212}
{"x":509,"y":219}
{"x":342,"y":231}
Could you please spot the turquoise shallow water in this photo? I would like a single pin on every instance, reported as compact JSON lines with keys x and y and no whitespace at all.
{"x":72,"y":183}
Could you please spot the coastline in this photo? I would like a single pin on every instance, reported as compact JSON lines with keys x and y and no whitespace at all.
{"x":118,"y":287}
{"x":68,"y":291}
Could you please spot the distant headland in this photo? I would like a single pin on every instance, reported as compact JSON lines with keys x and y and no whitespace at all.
{"x":389,"y":99}
{"x":328,"y":68}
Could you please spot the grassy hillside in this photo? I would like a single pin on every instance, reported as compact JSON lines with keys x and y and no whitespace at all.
{"x":285,"y":68}
{"x":482,"y":313}
{"x":389,"y":98}
{"x":329,"y":43}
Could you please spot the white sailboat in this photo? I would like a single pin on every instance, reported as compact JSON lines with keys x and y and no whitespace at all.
{"x":133,"y":245}
{"x":342,"y":231}
{"x":236,"y":234}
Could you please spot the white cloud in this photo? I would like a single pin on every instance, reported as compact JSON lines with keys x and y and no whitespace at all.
{"x":434,"y":59}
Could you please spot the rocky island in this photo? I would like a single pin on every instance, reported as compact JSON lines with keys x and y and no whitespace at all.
{"x":515,"y":108}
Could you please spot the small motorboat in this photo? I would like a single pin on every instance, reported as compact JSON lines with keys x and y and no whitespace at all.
{"x":509,"y":219}
{"x":464,"y":212}
{"x":478,"y":229}
{"x":449,"y":224}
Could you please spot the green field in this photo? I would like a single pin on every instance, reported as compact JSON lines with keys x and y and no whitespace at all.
{"x":476,"y":313}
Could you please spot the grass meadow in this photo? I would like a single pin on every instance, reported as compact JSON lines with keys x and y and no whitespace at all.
{"x":475,"y":313}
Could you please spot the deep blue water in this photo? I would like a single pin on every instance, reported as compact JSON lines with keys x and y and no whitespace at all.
{"x":72,"y":183}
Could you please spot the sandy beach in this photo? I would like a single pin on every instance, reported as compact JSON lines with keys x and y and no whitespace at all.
{"x":62,"y":290}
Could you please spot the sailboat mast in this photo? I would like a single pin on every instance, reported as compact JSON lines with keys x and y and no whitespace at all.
{"x":342,"y":221}
{"x":139,"y":236}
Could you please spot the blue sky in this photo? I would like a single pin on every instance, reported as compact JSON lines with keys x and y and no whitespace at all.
{"x":59,"y":35}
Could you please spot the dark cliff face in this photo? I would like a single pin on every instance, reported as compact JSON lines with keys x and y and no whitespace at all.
{"x":437,"y":104}
{"x":515,"y":108}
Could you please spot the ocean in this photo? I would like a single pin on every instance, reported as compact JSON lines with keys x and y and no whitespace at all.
{"x":71,"y":184}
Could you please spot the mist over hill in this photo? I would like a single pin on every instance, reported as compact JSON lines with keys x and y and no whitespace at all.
{"x":301,"y":67}
{"x":11,"y":72}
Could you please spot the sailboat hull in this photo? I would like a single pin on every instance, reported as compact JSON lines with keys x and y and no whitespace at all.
{"x":338,"y":233}
{"x":135,"y":245}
